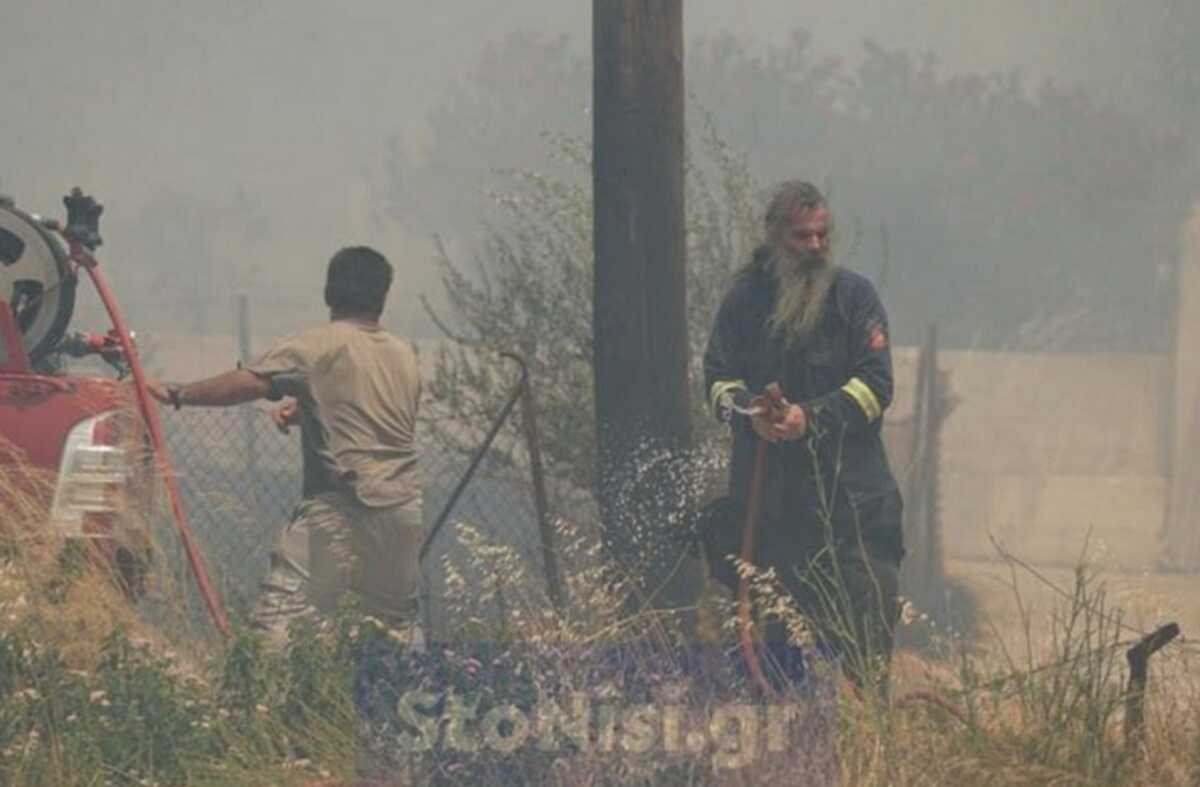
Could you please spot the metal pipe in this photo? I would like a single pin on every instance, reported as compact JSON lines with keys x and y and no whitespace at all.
{"x":541,"y":503}
{"x":477,"y":459}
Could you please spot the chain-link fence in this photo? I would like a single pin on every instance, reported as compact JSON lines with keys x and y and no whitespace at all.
{"x":240,"y":479}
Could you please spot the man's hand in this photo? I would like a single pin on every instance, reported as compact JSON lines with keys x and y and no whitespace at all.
{"x":791,"y":426}
{"x":794,"y":423}
{"x":160,"y":391}
{"x":763,"y":427}
{"x":286,"y":414}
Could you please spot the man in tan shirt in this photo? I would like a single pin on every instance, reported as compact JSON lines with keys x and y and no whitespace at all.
{"x":354,"y":390}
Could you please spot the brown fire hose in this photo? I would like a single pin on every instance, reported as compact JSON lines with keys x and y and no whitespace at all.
{"x":772,"y":406}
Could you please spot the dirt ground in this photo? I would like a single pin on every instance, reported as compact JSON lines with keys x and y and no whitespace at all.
{"x":999,"y":591}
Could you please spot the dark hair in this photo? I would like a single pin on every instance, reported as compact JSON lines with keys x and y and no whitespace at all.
{"x":358,"y":280}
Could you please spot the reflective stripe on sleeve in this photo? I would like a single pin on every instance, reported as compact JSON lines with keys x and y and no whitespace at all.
{"x":723,"y":387}
{"x":862,"y":394}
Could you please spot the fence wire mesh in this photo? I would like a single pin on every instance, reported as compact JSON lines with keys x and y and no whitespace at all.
{"x":240,"y":479}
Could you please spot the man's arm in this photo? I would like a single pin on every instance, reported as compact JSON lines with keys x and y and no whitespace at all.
{"x":224,"y":390}
{"x":861,"y":401}
{"x":724,"y":362}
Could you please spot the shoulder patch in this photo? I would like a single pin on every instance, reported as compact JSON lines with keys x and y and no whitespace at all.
{"x":877,"y":339}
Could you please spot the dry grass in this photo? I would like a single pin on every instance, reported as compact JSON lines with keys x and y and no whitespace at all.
{"x":68,"y":593}
{"x":1043,"y":685}
{"x":1036,"y":696}
{"x":1037,"y":692}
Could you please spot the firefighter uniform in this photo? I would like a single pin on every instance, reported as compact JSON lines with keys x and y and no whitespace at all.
{"x":831,"y":509}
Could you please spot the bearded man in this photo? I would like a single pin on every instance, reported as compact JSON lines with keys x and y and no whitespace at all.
{"x":830,"y":509}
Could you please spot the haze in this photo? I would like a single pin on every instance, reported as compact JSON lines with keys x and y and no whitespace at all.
{"x":253,"y":135}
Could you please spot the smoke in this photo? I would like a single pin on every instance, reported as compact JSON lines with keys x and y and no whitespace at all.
{"x":267,"y":123}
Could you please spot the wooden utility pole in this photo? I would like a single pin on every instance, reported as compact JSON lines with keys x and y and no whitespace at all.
{"x":639,"y":319}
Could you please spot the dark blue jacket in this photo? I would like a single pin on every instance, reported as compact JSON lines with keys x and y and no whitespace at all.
{"x":842,"y":378}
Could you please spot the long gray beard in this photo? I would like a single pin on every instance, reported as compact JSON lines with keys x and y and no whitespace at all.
{"x":803,"y":287}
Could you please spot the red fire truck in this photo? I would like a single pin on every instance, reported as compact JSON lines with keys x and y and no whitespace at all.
{"x":73,"y":446}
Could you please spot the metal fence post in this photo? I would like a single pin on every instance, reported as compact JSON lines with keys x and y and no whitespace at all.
{"x":250,"y":444}
{"x":923,"y":569}
{"x":523,"y":394}
{"x":931,"y":471}
{"x":540,"y":502}
{"x":1139,"y":671}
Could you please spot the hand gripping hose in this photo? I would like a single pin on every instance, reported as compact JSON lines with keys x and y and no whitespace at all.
{"x":772,"y":405}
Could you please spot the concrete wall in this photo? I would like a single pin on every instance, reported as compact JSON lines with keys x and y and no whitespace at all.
{"x":1183,"y":518}
{"x":1043,"y":449}
{"x":1038,"y":450}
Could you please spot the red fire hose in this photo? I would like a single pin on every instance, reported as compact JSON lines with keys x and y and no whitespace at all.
{"x":83,"y":258}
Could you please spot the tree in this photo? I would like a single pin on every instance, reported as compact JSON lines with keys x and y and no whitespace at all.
{"x":530,"y":291}
{"x":1017,"y":218}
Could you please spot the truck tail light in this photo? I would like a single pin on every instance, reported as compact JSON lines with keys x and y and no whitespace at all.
{"x":93,"y":478}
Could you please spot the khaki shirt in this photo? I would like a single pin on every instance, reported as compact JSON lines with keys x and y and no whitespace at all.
{"x":358,"y":388}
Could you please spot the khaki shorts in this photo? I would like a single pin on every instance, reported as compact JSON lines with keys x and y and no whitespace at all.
{"x":334,"y":545}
